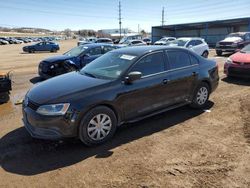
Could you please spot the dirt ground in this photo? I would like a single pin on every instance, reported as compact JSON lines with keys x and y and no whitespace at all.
{"x":180,"y":148}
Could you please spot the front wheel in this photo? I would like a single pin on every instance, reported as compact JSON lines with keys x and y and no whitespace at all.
{"x":201,"y":96}
{"x":4,"y":97}
{"x":97,"y":126}
{"x":218,"y":52}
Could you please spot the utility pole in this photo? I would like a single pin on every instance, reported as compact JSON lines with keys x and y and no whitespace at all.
{"x":120,"y":19}
{"x":138,"y":28}
{"x":163,"y":16}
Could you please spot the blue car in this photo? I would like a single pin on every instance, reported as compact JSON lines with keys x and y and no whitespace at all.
{"x":72,"y":60}
{"x":42,"y":46}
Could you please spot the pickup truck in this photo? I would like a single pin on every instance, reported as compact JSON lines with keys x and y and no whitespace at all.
{"x":233,"y":42}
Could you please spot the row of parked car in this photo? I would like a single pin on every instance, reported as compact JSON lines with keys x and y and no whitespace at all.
{"x":20,"y":40}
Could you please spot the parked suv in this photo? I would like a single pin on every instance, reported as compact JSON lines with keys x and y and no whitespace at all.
{"x":198,"y":45}
{"x":233,"y":42}
{"x":124,"y":85}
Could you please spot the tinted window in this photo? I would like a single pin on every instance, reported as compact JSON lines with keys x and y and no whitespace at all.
{"x":95,"y":51}
{"x":198,"y":42}
{"x":247,"y":37}
{"x":150,"y":64}
{"x":108,"y":48}
{"x":194,"y":60}
{"x":192,"y":42}
{"x":136,"y":42}
{"x":178,"y":59}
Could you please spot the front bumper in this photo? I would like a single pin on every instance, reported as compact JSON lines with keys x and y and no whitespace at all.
{"x":226,"y":49}
{"x":49,"y":128}
{"x":236,"y":70}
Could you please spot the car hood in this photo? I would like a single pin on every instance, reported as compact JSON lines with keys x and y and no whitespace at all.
{"x":58,"y":58}
{"x":241,"y":57}
{"x":68,"y":84}
{"x":232,"y":39}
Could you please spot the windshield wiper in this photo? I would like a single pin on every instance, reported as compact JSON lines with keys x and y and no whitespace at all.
{"x":89,"y":74}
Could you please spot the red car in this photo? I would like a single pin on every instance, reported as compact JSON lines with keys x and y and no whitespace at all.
{"x":238,"y":64}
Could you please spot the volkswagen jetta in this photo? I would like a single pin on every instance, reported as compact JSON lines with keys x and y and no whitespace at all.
{"x":124,"y":85}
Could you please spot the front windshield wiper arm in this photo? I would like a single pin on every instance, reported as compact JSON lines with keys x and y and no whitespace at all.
{"x":89,"y":74}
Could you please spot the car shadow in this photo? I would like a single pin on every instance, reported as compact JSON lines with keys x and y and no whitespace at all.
{"x":47,"y":52}
{"x":237,"y":81}
{"x":36,"y":80}
{"x":21,"y":154}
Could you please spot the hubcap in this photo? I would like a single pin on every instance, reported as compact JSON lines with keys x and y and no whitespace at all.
{"x":202,"y":95}
{"x":99,"y":127}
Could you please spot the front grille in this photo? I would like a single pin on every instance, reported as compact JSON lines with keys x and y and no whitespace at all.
{"x":225,"y":43}
{"x":242,"y":72}
{"x":32,"y":105}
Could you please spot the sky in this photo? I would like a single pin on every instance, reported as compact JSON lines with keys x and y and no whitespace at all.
{"x":103,"y":14}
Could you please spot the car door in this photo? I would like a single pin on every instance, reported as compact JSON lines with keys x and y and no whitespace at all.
{"x":149,"y":93}
{"x":91,"y":55}
{"x":183,"y":75}
{"x":38,"y":47}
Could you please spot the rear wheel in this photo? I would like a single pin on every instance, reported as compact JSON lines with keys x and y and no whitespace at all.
{"x":218,"y":52}
{"x":31,"y":50}
{"x":97,"y":126}
{"x":53,"y":50}
{"x":4,"y":97}
{"x":201,"y":96}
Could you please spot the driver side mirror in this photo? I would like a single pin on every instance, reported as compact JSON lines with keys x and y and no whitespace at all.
{"x":133,"y":76}
{"x":190,"y":46}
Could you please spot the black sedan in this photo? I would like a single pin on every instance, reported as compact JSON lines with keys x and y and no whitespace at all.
{"x":42,"y":46}
{"x":124,"y":85}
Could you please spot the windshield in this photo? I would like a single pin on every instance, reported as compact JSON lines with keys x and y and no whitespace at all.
{"x":74,"y":52}
{"x":235,"y":35}
{"x":246,"y":49}
{"x":178,"y":42}
{"x":163,"y":39}
{"x":109,"y":66}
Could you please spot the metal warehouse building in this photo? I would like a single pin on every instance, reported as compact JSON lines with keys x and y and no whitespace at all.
{"x":211,"y":31}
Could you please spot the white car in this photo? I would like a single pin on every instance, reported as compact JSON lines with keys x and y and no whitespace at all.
{"x":164,"y":40}
{"x":198,"y":45}
{"x":133,"y":43}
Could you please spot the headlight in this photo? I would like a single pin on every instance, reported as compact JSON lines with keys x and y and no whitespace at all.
{"x":229,"y":61}
{"x":53,"y":109}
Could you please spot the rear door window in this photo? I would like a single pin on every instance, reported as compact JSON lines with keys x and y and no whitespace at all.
{"x":178,"y":59}
{"x":95,"y":51}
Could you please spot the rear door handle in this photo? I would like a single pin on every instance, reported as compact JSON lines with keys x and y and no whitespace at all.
{"x":194,"y":73}
{"x":165,"y":81}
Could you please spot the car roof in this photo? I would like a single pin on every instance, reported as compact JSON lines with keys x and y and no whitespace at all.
{"x":190,"y":38}
{"x":141,"y":50}
{"x":92,"y":45}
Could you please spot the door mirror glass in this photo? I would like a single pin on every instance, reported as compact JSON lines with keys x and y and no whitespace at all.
{"x":190,"y":46}
{"x":132,"y":76}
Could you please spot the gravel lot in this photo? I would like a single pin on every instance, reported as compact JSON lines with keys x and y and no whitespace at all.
{"x":180,"y":148}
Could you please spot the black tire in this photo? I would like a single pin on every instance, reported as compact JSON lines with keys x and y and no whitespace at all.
{"x":53,"y":50}
{"x":218,"y":52}
{"x":4,"y":97}
{"x":205,"y":54}
{"x":85,"y":126}
{"x":31,"y":50}
{"x":199,"y":101}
